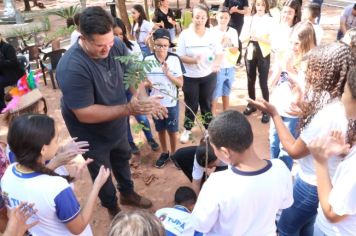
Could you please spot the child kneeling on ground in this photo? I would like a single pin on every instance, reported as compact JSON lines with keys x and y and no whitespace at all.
{"x":164,"y":80}
{"x":177,"y":220}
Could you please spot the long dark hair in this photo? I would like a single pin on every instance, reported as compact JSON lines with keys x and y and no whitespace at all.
{"x":325,"y":77}
{"x":294,"y":4}
{"x":119,"y":23}
{"x":254,"y":10}
{"x":27,"y":135}
{"x":141,"y":11}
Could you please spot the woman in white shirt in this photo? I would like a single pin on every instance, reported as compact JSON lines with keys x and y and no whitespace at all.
{"x":291,"y":69}
{"x":141,"y":28}
{"x":201,"y":54}
{"x":257,"y":56}
{"x":290,"y":15}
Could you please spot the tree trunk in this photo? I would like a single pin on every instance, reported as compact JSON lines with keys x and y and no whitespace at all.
{"x":187,"y":4}
{"x":123,"y":14}
{"x":35,"y":3}
{"x":27,"y":5}
{"x":147,"y":10}
{"x":201,"y":1}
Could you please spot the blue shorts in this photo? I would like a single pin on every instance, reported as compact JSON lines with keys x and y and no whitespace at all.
{"x":171,"y":123}
{"x":224,"y":81}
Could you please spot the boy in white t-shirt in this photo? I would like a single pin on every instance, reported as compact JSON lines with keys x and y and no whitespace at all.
{"x":244,"y":199}
{"x":177,"y":220}
{"x":164,"y":80}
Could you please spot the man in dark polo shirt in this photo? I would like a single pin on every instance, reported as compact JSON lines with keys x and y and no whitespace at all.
{"x":237,"y":10}
{"x":94,"y":105}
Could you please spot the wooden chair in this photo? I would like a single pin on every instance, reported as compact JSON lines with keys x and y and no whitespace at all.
{"x":51,"y":66}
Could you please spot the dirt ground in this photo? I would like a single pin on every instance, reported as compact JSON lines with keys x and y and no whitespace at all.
{"x":160,"y":184}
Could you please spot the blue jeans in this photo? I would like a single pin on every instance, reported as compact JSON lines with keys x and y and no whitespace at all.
{"x":225,"y":78}
{"x":276,"y":148}
{"x":145,"y":50}
{"x":317,"y":231}
{"x":142,"y":119}
{"x":298,"y":220}
{"x":171,"y":123}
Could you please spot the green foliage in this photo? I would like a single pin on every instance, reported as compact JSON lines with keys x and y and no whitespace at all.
{"x":136,"y":69}
{"x":200,"y":119}
{"x":46,"y":23}
{"x":136,"y":128}
{"x":67,"y":12}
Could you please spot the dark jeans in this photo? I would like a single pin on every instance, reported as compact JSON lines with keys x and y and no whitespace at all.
{"x":198,"y":92}
{"x":262,"y":65}
{"x":117,"y":159}
{"x":4,"y":82}
{"x":239,"y":29}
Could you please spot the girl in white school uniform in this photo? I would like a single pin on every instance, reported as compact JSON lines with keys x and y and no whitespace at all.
{"x":321,"y":113}
{"x":257,"y":56}
{"x":290,"y":69}
{"x":141,"y":28}
{"x":290,"y":15}
{"x":228,"y":37}
{"x":201,"y":54}
{"x":34,"y":139}
{"x":337,"y":209}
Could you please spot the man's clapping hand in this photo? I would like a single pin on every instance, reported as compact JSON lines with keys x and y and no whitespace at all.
{"x":147,"y":106}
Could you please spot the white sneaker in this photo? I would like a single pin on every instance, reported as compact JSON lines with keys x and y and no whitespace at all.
{"x":184,"y":138}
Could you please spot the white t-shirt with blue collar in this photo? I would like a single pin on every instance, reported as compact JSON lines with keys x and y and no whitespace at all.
{"x":162,"y":86}
{"x":177,"y":221}
{"x":52,"y":196}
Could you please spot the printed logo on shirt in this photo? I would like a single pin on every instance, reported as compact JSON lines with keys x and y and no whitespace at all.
{"x":162,"y":217}
{"x":176,"y":223}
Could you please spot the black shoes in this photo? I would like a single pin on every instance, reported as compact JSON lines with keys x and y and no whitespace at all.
{"x":154,"y":145}
{"x":162,"y":160}
{"x":134,"y":148}
{"x":249,"y":110}
{"x":265,"y":118}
